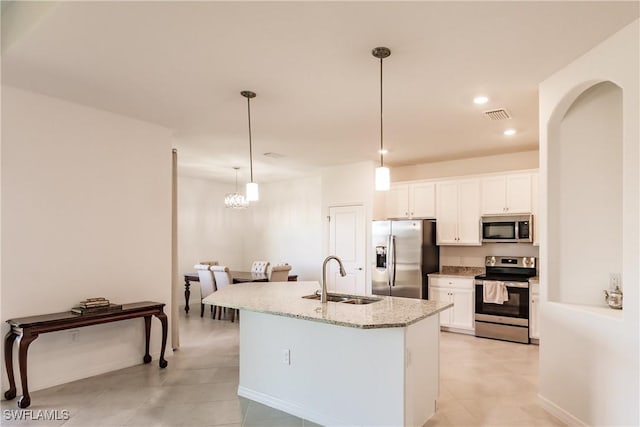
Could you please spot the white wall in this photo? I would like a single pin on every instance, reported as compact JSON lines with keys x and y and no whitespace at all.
{"x":589,"y":357}
{"x":207,"y":230}
{"x":286,"y":226}
{"x":474,"y":165}
{"x":86,"y":211}
{"x":345,"y":185}
{"x":587,"y":187}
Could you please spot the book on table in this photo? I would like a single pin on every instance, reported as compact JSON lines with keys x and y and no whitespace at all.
{"x":97,"y":309}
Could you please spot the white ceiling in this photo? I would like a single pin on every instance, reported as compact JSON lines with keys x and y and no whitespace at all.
{"x":183,"y":64}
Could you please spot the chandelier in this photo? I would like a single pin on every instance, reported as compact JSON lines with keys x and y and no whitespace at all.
{"x":235,"y":200}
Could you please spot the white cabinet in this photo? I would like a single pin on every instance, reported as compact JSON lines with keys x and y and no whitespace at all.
{"x":534,"y":307}
{"x":416,"y":200}
{"x":505,"y":194}
{"x":397,"y":201}
{"x":534,"y":206}
{"x":457,"y":212}
{"x":459,"y":291}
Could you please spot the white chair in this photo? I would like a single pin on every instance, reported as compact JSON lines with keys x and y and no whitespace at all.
{"x":207,"y":285}
{"x":223,"y":278}
{"x":259,"y":267}
{"x":279,"y":273}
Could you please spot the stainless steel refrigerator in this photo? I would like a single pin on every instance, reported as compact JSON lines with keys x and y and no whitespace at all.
{"x":405,"y":252}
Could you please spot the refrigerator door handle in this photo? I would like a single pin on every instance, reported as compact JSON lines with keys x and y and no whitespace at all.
{"x":393,"y":260}
{"x":388,"y":260}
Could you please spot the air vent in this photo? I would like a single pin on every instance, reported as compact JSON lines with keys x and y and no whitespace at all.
{"x":274,"y":155}
{"x":499,"y":114}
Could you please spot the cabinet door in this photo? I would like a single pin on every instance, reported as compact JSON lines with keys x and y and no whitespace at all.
{"x":463,"y":309}
{"x":534,"y":207}
{"x":533,"y":316}
{"x":442,"y":295}
{"x":518,"y":193}
{"x":447,"y":212}
{"x":397,"y":201}
{"x":422,"y":200}
{"x":494,"y":195}
{"x":468,"y":212}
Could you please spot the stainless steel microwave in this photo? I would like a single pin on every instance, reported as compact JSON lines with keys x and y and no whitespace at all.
{"x":507,"y":229}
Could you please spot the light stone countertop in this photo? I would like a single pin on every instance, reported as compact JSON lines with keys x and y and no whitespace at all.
{"x":284,"y":299}
{"x":462,"y":275}
{"x":535,"y":279}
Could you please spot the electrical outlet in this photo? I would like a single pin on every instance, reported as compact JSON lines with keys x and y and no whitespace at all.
{"x":286,"y":357}
{"x":74,"y":334}
{"x":614,"y":280}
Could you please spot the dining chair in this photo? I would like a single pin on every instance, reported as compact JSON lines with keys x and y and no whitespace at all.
{"x":280,"y":273}
{"x":223,"y":279}
{"x":207,"y":286}
{"x":259,"y":267}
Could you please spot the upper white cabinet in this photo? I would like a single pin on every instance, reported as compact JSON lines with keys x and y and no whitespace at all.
{"x":458,"y":212}
{"x":411,"y":201}
{"x":506,"y":194}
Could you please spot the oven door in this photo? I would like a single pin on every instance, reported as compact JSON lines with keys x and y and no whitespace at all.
{"x":514,"y":311}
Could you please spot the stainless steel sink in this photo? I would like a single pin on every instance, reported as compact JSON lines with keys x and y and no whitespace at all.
{"x":347,"y":299}
{"x":361,"y":300}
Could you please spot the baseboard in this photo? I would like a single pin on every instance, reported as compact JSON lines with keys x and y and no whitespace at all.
{"x":91,"y":371}
{"x":560,"y":413}
{"x":457,"y":331}
{"x":289,"y":407}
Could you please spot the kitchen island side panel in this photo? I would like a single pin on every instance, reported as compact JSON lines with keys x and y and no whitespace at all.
{"x":336,"y":375}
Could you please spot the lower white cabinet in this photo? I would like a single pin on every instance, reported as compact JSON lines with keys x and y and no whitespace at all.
{"x":534,"y":307}
{"x":459,"y":291}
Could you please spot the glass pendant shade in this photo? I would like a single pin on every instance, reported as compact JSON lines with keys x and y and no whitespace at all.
{"x":383,"y":179}
{"x":235,"y":201}
{"x":252,"y":192}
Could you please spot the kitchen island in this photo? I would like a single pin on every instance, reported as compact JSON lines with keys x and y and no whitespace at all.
{"x":336,"y":363}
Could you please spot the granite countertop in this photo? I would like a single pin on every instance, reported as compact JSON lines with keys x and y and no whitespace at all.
{"x":284,"y":299}
{"x":535,"y":279}
{"x":457,"y":271}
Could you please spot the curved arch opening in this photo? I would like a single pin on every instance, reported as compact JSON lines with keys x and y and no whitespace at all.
{"x":585,"y":196}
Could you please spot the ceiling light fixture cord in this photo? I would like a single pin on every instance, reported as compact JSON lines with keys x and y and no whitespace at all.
{"x":381,"y":129}
{"x":250,"y":147}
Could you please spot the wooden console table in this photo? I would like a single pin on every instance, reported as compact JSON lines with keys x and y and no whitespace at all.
{"x":27,"y":329}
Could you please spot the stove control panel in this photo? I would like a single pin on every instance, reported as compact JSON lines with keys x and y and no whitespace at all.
{"x":506,"y":261}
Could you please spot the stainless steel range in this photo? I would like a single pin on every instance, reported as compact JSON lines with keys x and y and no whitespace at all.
{"x":506,"y":319}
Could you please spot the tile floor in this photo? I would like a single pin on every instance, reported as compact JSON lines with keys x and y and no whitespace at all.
{"x":200,"y":385}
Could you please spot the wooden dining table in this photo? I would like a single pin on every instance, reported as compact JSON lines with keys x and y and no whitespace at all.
{"x":236,"y":276}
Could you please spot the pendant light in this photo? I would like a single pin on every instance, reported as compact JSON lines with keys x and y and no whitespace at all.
{"x":383,"y":179}
{"x":252,"y":187}
{"x":235,"y":200}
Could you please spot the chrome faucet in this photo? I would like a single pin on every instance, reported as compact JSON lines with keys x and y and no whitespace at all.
{"x":323,"y":296}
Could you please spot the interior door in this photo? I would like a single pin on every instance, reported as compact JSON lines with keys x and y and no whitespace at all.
{"x":407,"y":259}
{"x":347,"y":241}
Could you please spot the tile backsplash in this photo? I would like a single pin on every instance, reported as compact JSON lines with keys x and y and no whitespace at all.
{"x":473,"y":256}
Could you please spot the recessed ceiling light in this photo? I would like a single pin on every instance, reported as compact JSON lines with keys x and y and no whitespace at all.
{"x":480,"y":100}
{"x":510,"y":132}
{"x":383,"y":151}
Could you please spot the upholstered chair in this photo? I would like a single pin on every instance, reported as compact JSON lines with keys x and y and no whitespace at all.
{"x":223,"y":279}
{"x":279,"y":273}
{"x":207,"y":285}
{"x":259,"y":267}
